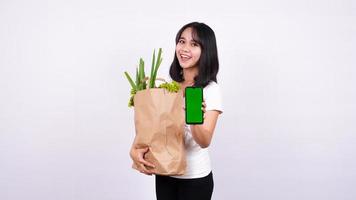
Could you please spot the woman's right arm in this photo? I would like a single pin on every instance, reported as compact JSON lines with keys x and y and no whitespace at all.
{"x":137,"y":156}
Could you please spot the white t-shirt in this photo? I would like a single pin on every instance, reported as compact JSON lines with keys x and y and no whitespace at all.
{"x":198,"y":159}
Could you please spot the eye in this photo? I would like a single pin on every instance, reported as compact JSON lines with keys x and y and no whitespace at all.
{"x":194,"y":44}
{"x":181,"y":41}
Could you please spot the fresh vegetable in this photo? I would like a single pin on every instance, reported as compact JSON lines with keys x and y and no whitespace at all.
{"x":171,"y":87}
{"x":140,"y":79}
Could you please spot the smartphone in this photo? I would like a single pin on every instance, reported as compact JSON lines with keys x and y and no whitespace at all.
{"x":193,"y":105}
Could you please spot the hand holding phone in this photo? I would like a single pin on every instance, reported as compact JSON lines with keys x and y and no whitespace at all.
{"x":193,"y":105}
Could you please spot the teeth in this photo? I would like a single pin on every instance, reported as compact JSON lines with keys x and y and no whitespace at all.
{"x":184,"y":56}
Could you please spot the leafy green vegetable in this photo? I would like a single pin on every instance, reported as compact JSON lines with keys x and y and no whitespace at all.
{"x":171,"y":87}
{"x":140,"y":81}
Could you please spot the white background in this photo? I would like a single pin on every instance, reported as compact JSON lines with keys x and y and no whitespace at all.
{"x":287,"y":73}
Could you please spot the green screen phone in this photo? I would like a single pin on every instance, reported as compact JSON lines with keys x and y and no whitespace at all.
{"x":193,"y":105}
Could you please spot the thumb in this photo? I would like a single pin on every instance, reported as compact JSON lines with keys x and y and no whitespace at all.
{"x":143,"y":150}
{"x":146,"y":149}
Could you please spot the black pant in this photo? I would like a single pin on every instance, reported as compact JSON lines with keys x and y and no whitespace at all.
{"x":169,"y":188}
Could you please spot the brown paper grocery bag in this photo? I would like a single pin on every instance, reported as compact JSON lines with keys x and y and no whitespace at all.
{"x":159,"y":125}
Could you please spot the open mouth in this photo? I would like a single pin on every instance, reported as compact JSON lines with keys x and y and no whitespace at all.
{"x":184,"y":57}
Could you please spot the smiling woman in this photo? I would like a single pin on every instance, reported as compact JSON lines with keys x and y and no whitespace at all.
{"x":195,"y":64}
{"x":188,"y":50}
{"x":196,"y":55}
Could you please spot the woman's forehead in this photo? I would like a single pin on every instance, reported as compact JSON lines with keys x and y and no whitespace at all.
{"x":189,"y":34}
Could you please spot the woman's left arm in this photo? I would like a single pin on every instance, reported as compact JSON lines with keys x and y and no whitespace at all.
{"x":203,"y":133}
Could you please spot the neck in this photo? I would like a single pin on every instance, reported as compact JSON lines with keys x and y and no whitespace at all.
{"x":189,"y":74}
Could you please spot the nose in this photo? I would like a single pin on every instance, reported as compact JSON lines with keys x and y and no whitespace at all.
{"x":185,"y":48}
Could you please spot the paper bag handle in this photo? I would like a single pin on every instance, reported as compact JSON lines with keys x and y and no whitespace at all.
{"x":148,"y":78}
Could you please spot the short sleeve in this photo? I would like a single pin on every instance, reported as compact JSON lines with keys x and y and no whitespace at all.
{"x":213,"y":97}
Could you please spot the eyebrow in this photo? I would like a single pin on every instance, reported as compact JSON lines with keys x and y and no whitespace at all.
{"x":190,"y":40}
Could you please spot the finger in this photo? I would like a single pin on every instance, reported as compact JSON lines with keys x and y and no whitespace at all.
{"x":144,"y":149}
{"x":147,"y":149}
{"x":142,"y":159}
{"x":144,"y":170}
{"x":144,"y":162}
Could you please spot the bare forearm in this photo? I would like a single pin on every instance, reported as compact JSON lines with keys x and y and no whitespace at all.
{"x":201,"y":135}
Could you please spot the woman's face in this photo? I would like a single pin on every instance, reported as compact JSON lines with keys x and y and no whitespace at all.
{"x":187,"y":50}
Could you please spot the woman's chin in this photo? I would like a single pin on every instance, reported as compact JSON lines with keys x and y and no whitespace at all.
{"x":184,"y":66}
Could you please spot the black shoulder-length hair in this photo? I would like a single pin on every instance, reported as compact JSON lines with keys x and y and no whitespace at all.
{"x":208,"y":63}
